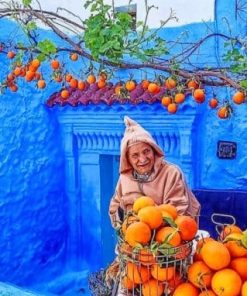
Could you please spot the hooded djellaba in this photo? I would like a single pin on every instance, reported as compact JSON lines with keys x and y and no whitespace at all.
{"x":165,"y":183}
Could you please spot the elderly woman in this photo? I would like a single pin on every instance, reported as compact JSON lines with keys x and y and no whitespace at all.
{"x":143,"y":171}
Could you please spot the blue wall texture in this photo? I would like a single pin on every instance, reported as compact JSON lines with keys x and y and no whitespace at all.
{"x":34,"y":206}
{"x":32,"y":199}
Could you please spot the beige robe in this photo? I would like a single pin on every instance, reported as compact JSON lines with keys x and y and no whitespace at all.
{"x":165,"y":185}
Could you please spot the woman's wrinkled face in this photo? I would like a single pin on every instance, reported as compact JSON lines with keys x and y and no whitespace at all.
{"x":141,"y":157}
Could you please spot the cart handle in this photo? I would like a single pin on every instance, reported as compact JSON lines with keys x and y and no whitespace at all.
{"x":219,"y":225}
{"x":215,"y":220}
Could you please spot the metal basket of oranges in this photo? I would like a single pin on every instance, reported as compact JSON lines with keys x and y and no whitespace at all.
{"x":154,"y":251}
{"x":152,"y":271}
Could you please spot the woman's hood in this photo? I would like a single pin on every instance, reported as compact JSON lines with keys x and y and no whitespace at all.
{"x":135,"y":133}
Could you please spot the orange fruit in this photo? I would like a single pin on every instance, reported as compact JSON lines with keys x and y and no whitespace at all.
{"x":23,"y":72}
{"x":37,"y":75}
{"x":13,"y":87}
{"x":199,"y":274}
{"x":64,"y":94}
{"x":169,"y":235}
{"x":41,"y":83}
{"x":152,"y":87}
{"x":162,"y":273}
{"x":170,"y":83}
{"x":29,"y":75}
{"x":186,"y":289}
{"x":166,"y":100}
{"x":187,"y":227}
{"x":141,"y":202}
{"x":32,"y":68}
{"x":91,"y":79}
{"x":11,"y":54}
{"x":172,"y":210}
{"x":145,"y":84}
{"x":229,"y":229}
{"x":239,"y":97}
{"x":223,"y":112}
{"x":157,"y":89}
{"x":74,"y":56}
{"x":179,"y":98}
{"x":192,"y":84}
{"x":138,"y":233}
{"x":172,"y":108}
{"x":145,"y":256}
{"x":199,"y":245}
{"x":215,"y":255}
{"x":117,"y":89}
{"x":55,"y":64}
{"x":127,"y":221}
{"x":68,"y":77}
{"x":226,"y":282}
{"x":130,"y":85}
{"x":73,"y":83}
{"x":35,"y":63}
{"x":11,"y":77}
{"x":17,"y":71}
{"x":240,"y":266}
{"x":152,"y":288}
{"x":213,"y":103}
{"x":199,"y":95}
{"x":137,"y":273}
{"x":81,"y":85}
{"x":166,"y":217}
{"x":235,"y":247}
{"x":151,"y":215}
{"x":244,"y":289}
{"x":101,"y":83}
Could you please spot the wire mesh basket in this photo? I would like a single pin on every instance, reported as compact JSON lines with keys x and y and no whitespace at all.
{"x":145,"y":273}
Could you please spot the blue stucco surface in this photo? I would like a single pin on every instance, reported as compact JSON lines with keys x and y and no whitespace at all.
{"x":32,"y":199}
{"x":37,"y":205}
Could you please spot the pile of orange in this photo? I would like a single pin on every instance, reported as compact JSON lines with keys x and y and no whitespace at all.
{"x":150,"y":232}
{"x":155,"y":240}
{"x":219,"y":267}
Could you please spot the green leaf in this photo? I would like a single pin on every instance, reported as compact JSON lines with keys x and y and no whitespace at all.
{"x":244,"y":239}
{"x":31,"y":26}
{"x":41,"y":57}
{"x":170,"y":221}
{"x":47,"y":47}
{"x":243,"y":84}
{"x":26,"y":2}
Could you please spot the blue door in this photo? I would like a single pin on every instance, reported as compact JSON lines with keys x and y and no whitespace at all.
{"x":109,"y":165}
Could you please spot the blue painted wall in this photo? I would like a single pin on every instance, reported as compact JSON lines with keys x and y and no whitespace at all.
{"x":32,"y":200}
{"x":33,"y":203}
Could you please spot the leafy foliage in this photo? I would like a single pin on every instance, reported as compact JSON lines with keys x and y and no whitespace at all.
{"x":237,"y":58}
{"x":109,"y":34}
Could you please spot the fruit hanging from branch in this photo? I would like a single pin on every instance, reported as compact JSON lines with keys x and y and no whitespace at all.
{"x":106,"y":40}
